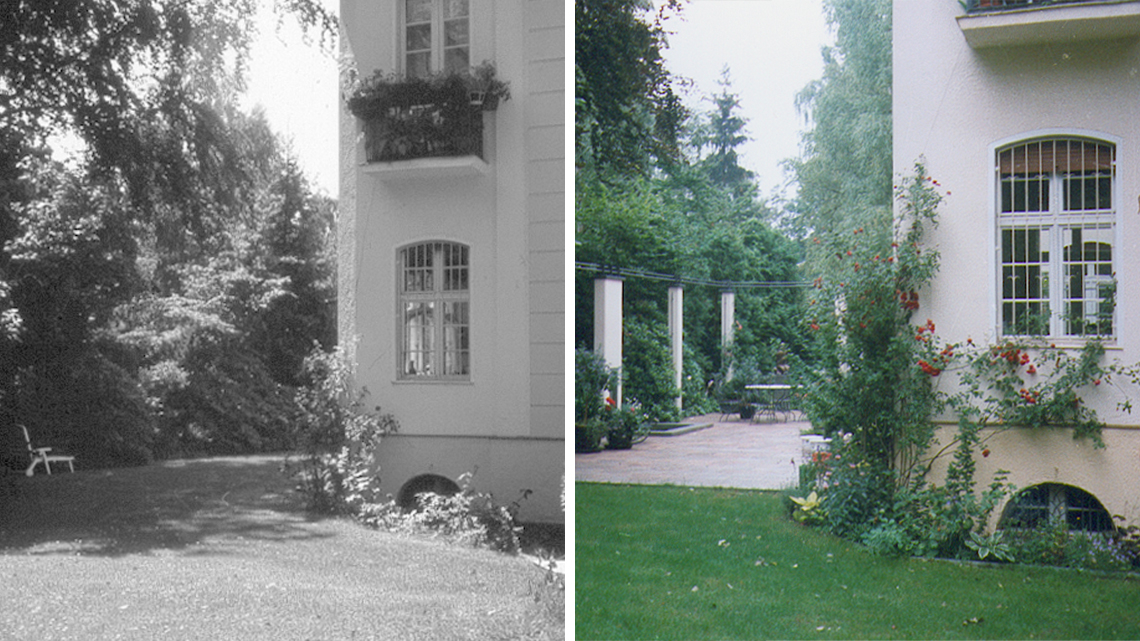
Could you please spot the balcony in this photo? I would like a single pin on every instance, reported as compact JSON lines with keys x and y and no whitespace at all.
{"x":995,"y":23}
{"x":423,"y":131}
{"x":414,"y":124}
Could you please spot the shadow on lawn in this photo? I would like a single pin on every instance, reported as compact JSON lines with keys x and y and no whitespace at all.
{"x":194,"y":506}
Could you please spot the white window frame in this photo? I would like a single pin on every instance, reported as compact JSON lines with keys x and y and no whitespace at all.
{"x":1059,"y":223}
{"x":433,"y":285}
{"x":436,"y":25}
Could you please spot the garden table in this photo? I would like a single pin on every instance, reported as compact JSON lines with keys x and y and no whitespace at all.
{"x":775,"y":397}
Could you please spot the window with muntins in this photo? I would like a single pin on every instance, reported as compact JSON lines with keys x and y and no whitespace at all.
{"x":435,"y":311}
{"x":1053,"y":503}
{"x":437,"y":36}
{"x":1057,"y":227}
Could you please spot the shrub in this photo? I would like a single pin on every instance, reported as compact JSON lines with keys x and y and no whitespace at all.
{"x":468,"y":517}
{"x":648,"y":370}
{"x":85,"y":405}
{"x":338,"y":437}
{"x":226,"y":401}
{"x":592,"y":378}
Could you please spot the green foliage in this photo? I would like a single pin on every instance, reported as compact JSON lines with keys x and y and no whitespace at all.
{"x":648,"y":369}
{"x":229,"y":403}
{"x":684,"y":550}
{"x":338,"y":436}
{"x":467,"y":517}
{"x":592,"y":378}
{"x":1053,"y":544}
{"x":626,"y":115}
{"x":846,"y":162}
{"x":876,"y":385}
{"x":625,"y":426}
{"x":672,"y":202}
{"x":865,"y":383}
{"x":380,"y":93}
{"x":85,"y":405}
{"x":208,"y":333}
{"x":990,"y":545}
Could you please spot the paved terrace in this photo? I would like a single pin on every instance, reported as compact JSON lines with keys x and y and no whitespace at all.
{"x":734,"y":453}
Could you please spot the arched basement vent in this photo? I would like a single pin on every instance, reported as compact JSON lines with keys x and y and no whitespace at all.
{"x":1039,"y":505}
{"x":422,"y":484}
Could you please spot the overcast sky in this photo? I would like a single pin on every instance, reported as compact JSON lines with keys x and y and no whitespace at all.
{"x":297,"y":85}
{"x":772,"y":50}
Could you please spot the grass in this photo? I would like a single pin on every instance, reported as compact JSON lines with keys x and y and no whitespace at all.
{"x":222,"y":548}
{"x":665,"y":562}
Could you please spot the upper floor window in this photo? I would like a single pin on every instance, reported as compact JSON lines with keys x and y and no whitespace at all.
{"x":435,"y":311}
{"x":1057,"y":226}
{"x":437,"y":36}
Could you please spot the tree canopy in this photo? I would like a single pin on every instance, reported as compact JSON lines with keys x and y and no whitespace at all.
{"x":661,"y":189}
{"x":160,"y":289}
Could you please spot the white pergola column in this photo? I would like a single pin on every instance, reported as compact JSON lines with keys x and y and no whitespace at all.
{"x":727,"y":325}
{"x":608,"y":324}
{"x":677,"y":336}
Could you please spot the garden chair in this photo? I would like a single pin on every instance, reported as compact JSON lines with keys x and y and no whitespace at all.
{"x":729,"y":408}
{"x":41,"y":455}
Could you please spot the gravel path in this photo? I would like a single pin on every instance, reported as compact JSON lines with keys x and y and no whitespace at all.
{"x":221,"y":549}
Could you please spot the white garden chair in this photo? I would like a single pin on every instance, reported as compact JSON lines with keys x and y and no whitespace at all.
{"x":41,"y":455}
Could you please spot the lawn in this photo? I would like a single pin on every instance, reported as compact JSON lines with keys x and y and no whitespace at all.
{"x":666,"y":562}
{"x":222,"y":548}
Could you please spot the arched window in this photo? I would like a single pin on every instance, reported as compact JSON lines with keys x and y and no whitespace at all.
{"x":1056,"y":504}
{"x":1057,"y":225}
{"x":435,"y":311}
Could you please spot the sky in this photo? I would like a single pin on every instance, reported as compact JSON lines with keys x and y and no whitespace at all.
{"x":772,"y":50}
{"x":297,"y":85}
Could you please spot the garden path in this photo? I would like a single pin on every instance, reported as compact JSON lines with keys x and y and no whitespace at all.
{"x":733,"y":453}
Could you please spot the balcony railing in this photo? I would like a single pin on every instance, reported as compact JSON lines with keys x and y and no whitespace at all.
{"x":995,"y":23}
{"x":1001,"y":5}
{"x":423,"y":131}
{"x":437,"y":116}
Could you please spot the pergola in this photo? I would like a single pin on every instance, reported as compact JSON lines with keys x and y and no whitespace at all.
{"x":608,"y":315}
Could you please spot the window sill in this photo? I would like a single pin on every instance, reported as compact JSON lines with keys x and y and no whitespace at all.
{"x":420,"y":168}
{"x":1061,"y":23}
{"x":432,"y":381}
{"x":1068,"y":343}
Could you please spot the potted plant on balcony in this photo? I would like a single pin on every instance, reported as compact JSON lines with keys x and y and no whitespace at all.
{"x":416,"y":117}
{"x":484,"y":90}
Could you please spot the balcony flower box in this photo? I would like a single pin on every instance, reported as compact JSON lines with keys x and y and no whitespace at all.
{"x":426,"y":117}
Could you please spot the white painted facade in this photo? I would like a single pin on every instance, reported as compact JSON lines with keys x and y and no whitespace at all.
{"x":505,"y":421}
{"x":964,"y":87}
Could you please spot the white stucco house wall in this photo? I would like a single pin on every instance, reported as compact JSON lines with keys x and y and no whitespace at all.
{"x":451,"y":281}
{"x":1029,"y":116}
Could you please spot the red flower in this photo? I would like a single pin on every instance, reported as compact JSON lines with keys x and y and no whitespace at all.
{"x":1031,"y":369}
{"x":986,"y":452}
{"x":929,"y":369}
